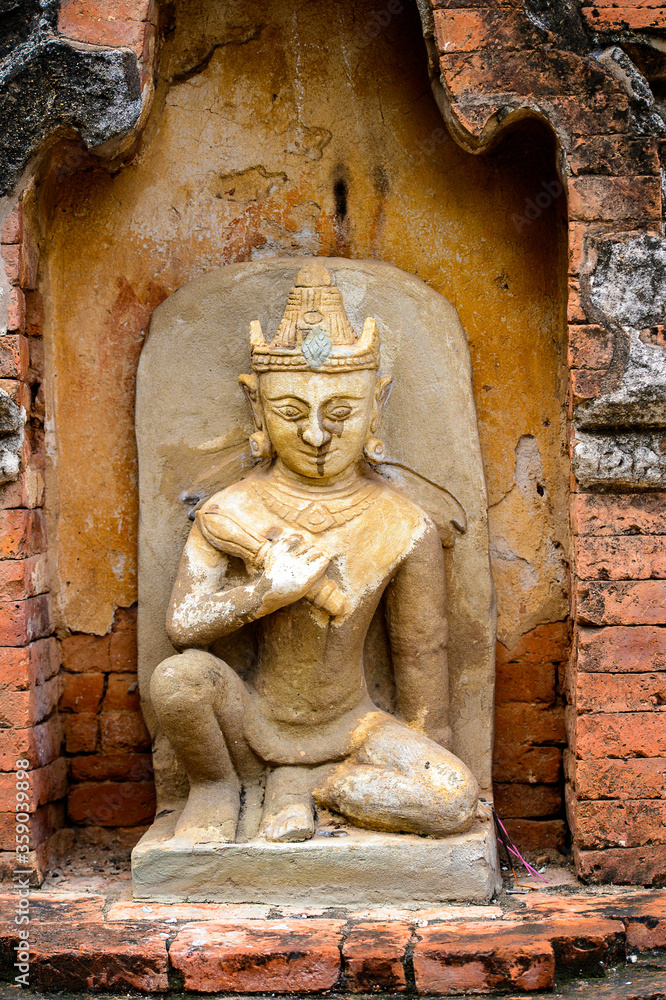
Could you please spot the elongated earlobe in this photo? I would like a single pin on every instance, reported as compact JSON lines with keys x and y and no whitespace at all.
{"x":374,"y":450}
{"x":260,"y":445}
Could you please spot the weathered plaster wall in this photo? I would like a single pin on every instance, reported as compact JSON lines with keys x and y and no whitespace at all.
{"x":269,"y":138}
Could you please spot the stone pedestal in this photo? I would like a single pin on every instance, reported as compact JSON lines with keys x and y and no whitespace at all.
{"x":360,"y":867}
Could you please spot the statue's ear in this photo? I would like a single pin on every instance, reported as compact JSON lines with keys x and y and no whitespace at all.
{"x":250,"y":386}
{"x":260,"y":443}
{"x":382,"y":393}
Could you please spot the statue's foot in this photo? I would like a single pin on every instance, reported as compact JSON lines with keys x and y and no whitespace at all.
{"x":211,"y":813}
{"x":402,"y":782}
{"x":288,"y":805}
{"x":293,"y":822}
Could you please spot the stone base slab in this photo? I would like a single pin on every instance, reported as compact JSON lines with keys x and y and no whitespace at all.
{"x":364,"y":867}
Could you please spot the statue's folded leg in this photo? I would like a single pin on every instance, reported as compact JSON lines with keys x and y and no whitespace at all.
{"x":200,"y":703}
{"x":399,"y":780}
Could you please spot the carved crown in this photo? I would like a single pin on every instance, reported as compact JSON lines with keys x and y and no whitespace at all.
{"x":315,"y":334}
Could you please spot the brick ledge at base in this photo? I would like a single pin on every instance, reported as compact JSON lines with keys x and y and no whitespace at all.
{"x":85,"y":941}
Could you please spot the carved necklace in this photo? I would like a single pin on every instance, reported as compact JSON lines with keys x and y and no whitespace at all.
{"x":316,"y":508}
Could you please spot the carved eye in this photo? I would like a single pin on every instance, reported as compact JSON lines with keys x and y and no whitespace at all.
{"x":290,"y":412}
{"x":339,"y":412}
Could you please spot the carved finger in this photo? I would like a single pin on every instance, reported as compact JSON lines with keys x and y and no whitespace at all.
{"x":312,"y":554}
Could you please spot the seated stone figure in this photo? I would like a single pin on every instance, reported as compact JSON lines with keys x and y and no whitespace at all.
{"x":307,"y":545}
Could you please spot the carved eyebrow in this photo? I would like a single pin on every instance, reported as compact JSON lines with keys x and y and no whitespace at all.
{"x":332,"y":399}
{"x":280,"y":399}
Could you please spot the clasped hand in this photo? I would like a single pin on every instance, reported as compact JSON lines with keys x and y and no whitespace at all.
{"x":291,"y":566}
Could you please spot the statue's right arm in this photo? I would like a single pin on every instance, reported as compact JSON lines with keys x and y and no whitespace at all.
{"x":203,"y":607}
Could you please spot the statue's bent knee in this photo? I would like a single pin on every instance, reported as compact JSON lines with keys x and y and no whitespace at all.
{"x":462,"y":799}
{"x":184,"y":677}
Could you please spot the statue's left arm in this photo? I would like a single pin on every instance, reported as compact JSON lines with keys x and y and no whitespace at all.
{"x":415,"y":603}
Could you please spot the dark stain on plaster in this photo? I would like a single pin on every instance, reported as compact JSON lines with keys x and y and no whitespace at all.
{"x":382,"y":185}
{"x":340,"y":196}
{"x":341,"y":211}
{"x":381,"y":180}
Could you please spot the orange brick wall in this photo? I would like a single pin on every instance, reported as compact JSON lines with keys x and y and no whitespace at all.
{"x":494,"y":64}
{"x":29,"y":679}
{"x":106,"y":742}
{"x":88,"y":757}
{"x":617,"y":716}
{"x":530,"y":736}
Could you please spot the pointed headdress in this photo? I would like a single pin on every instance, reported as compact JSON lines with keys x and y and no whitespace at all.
{"x":315,"y":334}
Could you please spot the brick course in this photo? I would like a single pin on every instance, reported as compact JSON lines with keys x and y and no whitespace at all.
{"x":93,"y":956}
{"x":605,"y":17}
{"x":621,"y":649}
{"x":602,"y":602}
{"x":620,"y":692}
{"x":40,"y":744}
{"x":259,"y":956}
{"x":106,"y":943}
{"x":638,"y":777}
{"x":27,"y":667}
{"x":481,"y":957}
{"x":617,"y":734}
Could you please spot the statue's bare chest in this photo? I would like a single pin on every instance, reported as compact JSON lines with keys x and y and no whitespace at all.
{"x":316,"y":513}
{"x":366,"y":536}
{"x":365,"y":528}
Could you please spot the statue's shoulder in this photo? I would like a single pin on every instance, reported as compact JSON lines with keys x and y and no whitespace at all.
{"x":396,"y":513}
{"x":230,"y":498}
{"x":233,"y":522}
{"x":397,"y":499}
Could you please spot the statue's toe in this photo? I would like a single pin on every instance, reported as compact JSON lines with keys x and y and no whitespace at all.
{"x":292,"y":823}
{"x":210,"y":815}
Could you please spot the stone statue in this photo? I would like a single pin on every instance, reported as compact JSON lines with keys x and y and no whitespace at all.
{"x":307,"y":545}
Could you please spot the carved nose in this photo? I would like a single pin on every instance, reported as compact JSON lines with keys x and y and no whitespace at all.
{"x":314,"y":434}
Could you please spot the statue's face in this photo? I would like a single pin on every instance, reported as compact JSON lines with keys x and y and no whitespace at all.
{"x":318,"y":423}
